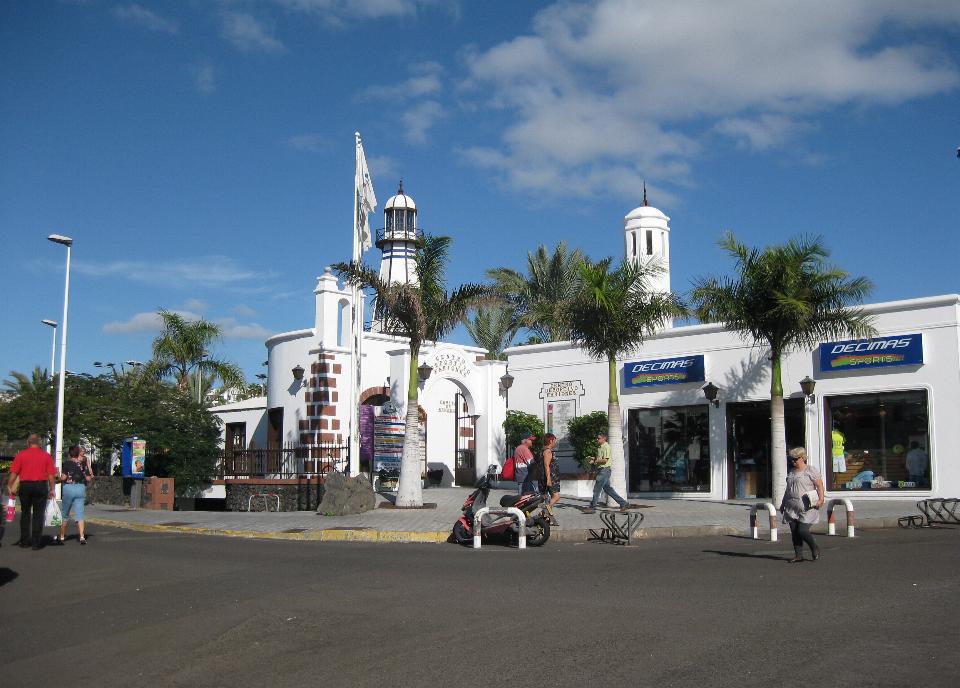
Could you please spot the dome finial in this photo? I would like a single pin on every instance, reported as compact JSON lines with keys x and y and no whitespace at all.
{"x":400,"y":190}
{"x":645,"y":194}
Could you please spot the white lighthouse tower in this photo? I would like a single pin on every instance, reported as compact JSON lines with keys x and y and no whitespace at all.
{"x":398,"y":243}
{"x":647,"y":237}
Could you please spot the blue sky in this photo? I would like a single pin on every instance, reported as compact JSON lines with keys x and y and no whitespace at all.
{"x":201,"y":153}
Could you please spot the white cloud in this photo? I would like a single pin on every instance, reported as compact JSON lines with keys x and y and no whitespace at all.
{"x":312,"y":143}
{"x":248,"y":34}
{"x":425,"y":80}
{"x":418,"y":120}
{"x":243,"y":310}
{"x":144,"y":18}
{"x":383,"y":166}
{"x":197,"y":305}
{"x":601,"y":94}
{"x":234,"y":330}
{"x":144,"y":322}
{"x":202,"y":271}
{"x":332,"y":11}
{"x":204,"y":77}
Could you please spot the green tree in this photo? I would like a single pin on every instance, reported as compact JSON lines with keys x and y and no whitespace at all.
{"x":492,"y":328}
{"x":612,"y":315}
{"x":540,"y":299}
{"x":182,"y":352}
{"x":421,"y":312}
{"x":516,"y":424}
{"x":784,"y":297}
{"x":582,"y":432}
{"x":31,"y":405}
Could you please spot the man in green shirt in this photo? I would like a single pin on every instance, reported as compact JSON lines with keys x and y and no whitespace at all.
{"x":602,"y":484}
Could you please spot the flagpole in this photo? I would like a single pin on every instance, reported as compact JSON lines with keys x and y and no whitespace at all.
{"x":356,"y":324}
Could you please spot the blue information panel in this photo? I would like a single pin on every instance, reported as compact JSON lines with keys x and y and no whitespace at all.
{"x":903,"y":349}
{"x":663,"y":371}
{"x":133,"y":457}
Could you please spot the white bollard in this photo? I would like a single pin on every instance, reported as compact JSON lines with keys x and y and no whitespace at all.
{"x":514,"y":513}
{"x":832,"y":519}
{"x":771,"y":512}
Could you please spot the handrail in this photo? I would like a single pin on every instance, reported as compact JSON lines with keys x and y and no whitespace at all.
{"x":514,"y":512}
{"x":771,"y":512}
{"x":832,"y":520}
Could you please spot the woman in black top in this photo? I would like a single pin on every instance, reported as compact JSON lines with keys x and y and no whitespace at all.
{"x":74,"y":474}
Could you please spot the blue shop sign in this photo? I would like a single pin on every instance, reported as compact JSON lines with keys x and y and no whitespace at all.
{"x":663,"y":371}
{"x":903,"y":349}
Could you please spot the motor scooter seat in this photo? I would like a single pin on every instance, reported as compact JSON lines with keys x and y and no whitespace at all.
{"x":509,"y":500}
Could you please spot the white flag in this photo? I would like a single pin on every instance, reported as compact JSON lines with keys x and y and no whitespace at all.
{"x":366,"y":199}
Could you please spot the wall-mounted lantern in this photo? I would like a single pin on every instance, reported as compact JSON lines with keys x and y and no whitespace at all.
{"x":710,"y":391}
{"x":807,"y":385}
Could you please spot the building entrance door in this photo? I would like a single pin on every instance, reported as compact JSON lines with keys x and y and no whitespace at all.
{"x":465,"y":471}
{"x":748,"y":445}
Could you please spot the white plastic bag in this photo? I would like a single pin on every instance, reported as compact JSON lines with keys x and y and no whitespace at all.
{"x":53,"y":517}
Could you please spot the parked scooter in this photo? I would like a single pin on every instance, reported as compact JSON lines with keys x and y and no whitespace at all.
{"x":536,"y":527}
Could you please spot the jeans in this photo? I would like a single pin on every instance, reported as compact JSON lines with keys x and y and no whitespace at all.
{"x":602,"y":484}
{"x":73,"y":495}
{"x":33,"y":507}
{"x":800,"y":533}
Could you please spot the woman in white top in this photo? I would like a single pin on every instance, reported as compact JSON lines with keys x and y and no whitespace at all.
{"x":800,"y":515}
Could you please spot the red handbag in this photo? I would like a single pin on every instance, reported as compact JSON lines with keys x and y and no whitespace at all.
{"x":509,"y":470}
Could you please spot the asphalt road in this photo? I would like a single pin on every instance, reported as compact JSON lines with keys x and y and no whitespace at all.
{"x":144,"y":609}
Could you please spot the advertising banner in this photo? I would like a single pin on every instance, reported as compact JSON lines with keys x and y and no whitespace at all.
{"x":133,"y":457}
{"x":880,"y":352}
{"x":663,"y":371}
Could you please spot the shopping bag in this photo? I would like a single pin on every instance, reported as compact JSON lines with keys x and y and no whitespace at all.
{"x":53,"y":516}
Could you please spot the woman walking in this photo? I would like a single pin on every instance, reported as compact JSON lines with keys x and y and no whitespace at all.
{"x":800,"y":509}
{"x":551,"y":474}
{"x":75,"y":474}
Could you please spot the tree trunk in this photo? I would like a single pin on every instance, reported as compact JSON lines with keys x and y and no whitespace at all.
{"x":410,"y":484}
{"x":778,"y":438}
{"x":618,"y":467}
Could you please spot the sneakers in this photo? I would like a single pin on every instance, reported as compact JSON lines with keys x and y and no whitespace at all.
{"x":83,"y":541}
{"x":588,"y":510}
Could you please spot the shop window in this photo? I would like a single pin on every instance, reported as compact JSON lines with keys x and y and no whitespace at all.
{"x":878,"y":441}
{"x":669,"y":449}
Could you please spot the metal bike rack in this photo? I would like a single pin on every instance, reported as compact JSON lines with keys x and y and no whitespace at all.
{"x":617,"y":533}
{"x":938,"y":511}
{"x":832,"y":520}
{"x":510,"y":510}
{"x":771,"y":512}
{"x":264,"y":496}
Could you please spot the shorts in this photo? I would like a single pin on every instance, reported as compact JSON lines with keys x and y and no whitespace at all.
{"x":73,"y":496}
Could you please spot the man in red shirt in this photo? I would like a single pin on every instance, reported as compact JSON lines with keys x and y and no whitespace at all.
{"x":38,"y":479}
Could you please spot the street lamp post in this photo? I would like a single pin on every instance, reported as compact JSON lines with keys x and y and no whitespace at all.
{"x":68,"y":242}
{"x":53,"y":346}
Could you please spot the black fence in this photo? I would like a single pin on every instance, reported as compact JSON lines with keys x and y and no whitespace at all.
{"x":290,"y":460}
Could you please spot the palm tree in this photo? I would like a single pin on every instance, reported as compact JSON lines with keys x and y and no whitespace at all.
{"x":783,"y":297}
{"x":182,"y":351}
{"x":420,"y":312}
{"x":20,"y":385}
{"x":612,"y":315}
{"x":493,"y":327}
{"x":542,"y":296}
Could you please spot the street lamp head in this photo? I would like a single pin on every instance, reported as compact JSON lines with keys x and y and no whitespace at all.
{"x":134,"y":363}
{"x":60,"y":239}
{"x":51,"y":323}
{"x":97,"y":364}
{"x":298,"y":372}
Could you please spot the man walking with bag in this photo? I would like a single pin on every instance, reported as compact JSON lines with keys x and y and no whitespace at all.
{"x":33,"y":468}
{"x":602,"y":483}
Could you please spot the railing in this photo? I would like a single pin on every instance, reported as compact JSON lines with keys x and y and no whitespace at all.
{"x":386,"y":234}
{"x":288,"y":461}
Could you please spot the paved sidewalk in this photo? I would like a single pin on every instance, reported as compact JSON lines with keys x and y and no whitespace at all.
{"x":662,"y":518}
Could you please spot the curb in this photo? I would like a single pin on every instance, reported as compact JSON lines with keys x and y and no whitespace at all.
{"x":434,"y":536}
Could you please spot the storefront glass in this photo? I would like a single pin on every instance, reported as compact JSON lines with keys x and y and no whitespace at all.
{"x":878,"y":441}
{"x":669,"y":449}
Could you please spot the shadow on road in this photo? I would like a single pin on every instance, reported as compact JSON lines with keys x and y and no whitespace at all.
{"x":745,"y":555}
{"x":7,"y":576}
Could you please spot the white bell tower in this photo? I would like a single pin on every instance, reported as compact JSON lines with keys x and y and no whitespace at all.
{"x":647,"y":236}
{"x":398,"y":242}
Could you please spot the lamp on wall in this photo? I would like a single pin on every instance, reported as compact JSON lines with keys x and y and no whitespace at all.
{"x":506,"y":382}
{"x":298,"y":372}
{"x":710,"y":391}
{"x":807,"y":385}
{"x":423,"y":372}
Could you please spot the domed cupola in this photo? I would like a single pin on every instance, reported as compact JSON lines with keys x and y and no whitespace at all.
{"x":398,"y":239}
{"x":647,"y":237}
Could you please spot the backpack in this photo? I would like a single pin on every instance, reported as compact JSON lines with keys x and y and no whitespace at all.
{"x":509,"y":470}
{"x":535,"y":474}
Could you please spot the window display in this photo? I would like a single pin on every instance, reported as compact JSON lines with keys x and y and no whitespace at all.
{"x":669,"y":449}
{"x":878,"y":441}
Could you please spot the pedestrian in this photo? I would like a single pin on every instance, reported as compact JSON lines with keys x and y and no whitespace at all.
{"x":917,"y":461}
{"x":798,"y":512}
{"x":551,"y":474}
{"x":75,"y":474}
{"x":38,"y":478}
{"x":602,"y":482}
{"x":523,"y":457}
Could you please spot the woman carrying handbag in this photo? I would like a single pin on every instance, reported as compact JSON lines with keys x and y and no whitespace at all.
{"x":801,"y":503}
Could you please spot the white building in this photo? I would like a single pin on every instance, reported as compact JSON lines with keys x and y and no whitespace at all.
{"x":310,"y":371}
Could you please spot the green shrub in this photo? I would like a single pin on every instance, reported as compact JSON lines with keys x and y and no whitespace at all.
{"x":582,"y":432}
{"x":516,"y":424}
